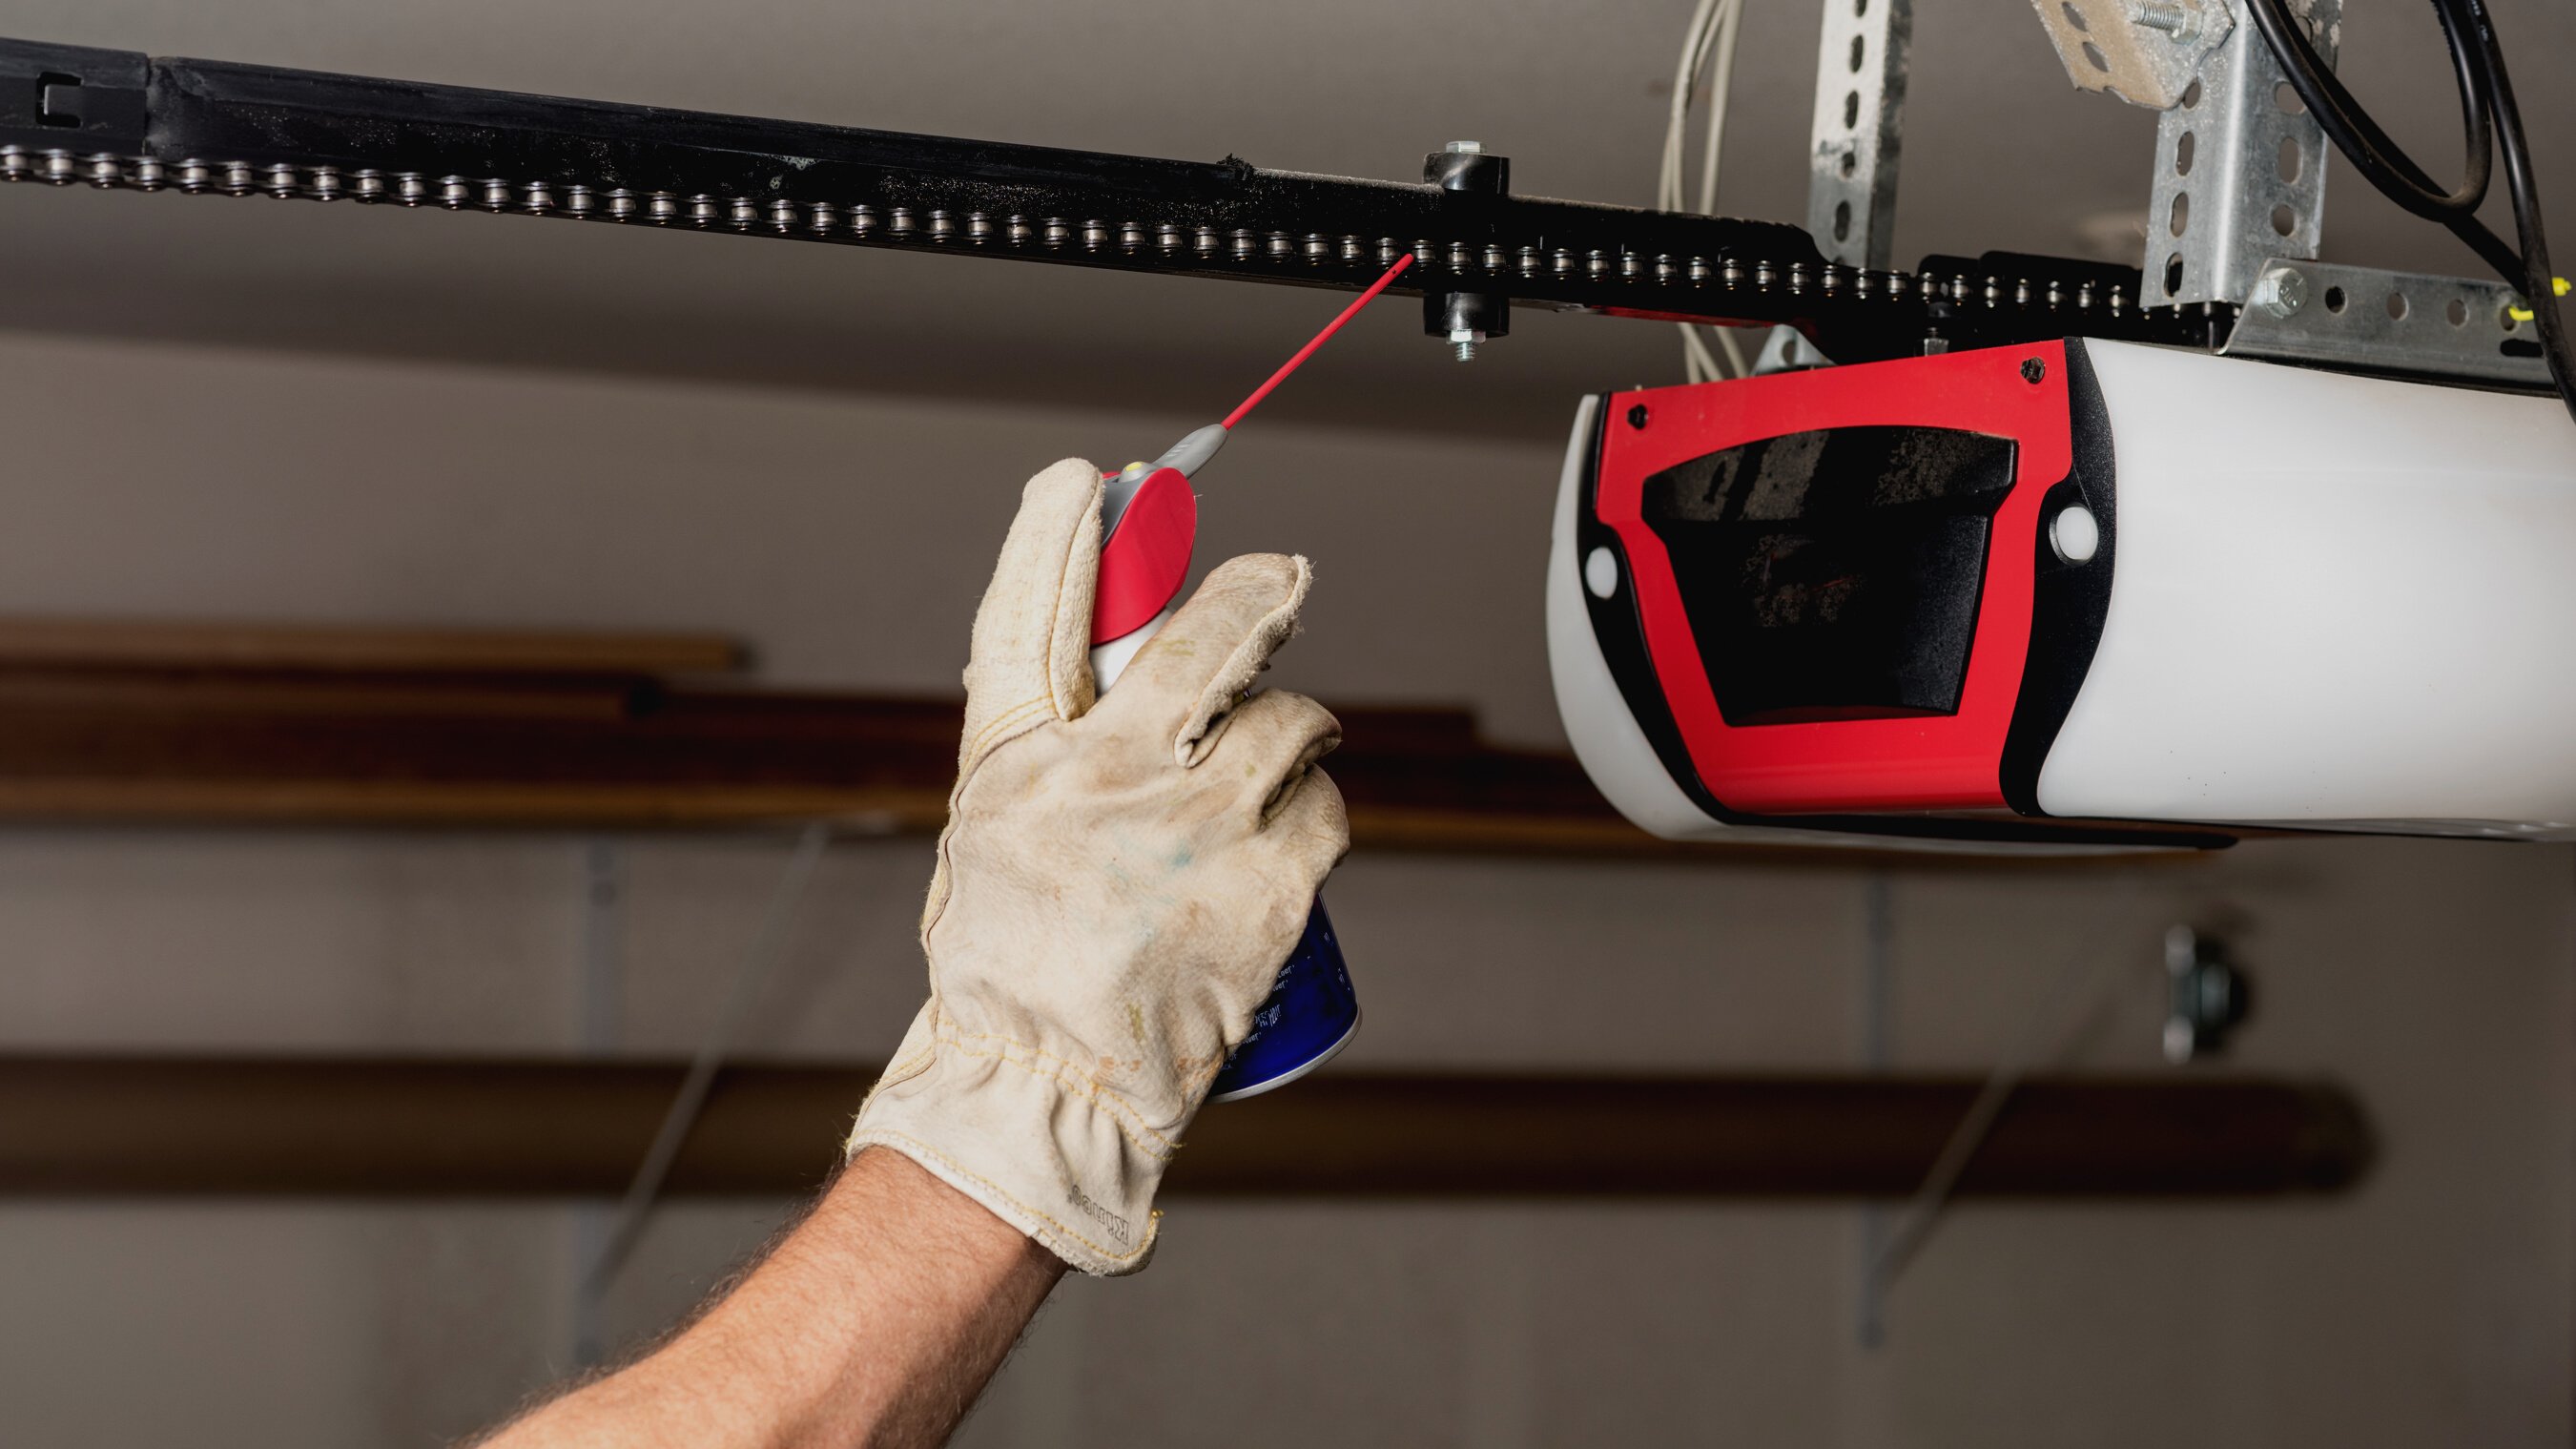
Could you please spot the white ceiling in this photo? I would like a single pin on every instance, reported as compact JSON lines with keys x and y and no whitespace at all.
{"x":2000,"y":153}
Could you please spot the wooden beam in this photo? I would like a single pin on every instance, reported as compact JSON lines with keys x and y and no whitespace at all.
{"x":482,"y":1127}
{"x":223,"y":746}
{"x":241,"y":749}
{"x":225,"y":725}
{"x":154,"y":644}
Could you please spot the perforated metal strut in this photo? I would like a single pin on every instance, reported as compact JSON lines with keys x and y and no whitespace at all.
{"x":73,"y":116}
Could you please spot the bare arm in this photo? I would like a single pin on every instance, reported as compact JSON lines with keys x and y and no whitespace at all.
{"x":1119,"y":880}
{"x":877,"y":1321}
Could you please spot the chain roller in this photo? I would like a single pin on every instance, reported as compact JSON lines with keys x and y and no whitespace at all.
{"x":1726,"y":286}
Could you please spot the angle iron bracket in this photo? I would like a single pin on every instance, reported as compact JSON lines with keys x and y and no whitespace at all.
{"x":2240,"y":170}
{"x":2146,"y":52}
{"x":1861,"y":61}
{"x":2364,"y":320}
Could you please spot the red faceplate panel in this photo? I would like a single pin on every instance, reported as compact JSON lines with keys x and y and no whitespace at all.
{"x":1940,"y":762}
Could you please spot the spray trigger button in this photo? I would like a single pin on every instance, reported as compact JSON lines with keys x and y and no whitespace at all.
{"x":1146,"y":555}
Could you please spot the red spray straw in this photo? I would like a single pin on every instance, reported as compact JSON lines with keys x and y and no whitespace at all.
{"x":1321,"y":338}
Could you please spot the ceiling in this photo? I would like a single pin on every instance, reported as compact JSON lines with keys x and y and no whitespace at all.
{"x":2000,"y":154}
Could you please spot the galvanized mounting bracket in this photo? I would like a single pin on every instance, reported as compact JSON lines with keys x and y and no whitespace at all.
{"x":2239,"y":195}
{"x":2403,"y":323}
{"x":2239,"y":198}
{"x":2240,"y":169}
{"x":2240,"y":164}
{"x":1786,"y":349}
{"x":2146,"y":52}
{"x":1861,"y":58}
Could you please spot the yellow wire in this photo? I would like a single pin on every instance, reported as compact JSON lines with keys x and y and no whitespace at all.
{"x":2557,"y":285}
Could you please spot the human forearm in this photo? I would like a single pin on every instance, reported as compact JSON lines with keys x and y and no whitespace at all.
{"x":1118,"y":882}
{"x":877,"y":1321}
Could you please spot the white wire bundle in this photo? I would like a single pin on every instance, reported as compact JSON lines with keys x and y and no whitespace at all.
{"x":1708,"y":45}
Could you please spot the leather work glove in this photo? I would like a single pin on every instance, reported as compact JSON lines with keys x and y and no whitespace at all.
{"x":1118,"y":884}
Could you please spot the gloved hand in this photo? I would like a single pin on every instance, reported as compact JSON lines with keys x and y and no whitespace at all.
{"x":1117,"y":887}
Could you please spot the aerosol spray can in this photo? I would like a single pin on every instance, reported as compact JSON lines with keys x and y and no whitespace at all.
{"x":1149,"y":526}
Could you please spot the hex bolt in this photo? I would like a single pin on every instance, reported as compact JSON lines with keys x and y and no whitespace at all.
{"x":2182,"y":22}
{"x":2281,"y":291}
{"x":1468,"y":179}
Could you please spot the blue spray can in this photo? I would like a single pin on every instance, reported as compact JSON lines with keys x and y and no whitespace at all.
{"x":1149,"y":526}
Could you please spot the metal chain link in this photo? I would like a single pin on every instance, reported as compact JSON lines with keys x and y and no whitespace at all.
{"x":862,"y":222}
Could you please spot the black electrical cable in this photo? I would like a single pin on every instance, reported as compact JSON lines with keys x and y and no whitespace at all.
{"x":2490,"y":120}
{"x":2539,"y":279}
{"x":2381,"y":161}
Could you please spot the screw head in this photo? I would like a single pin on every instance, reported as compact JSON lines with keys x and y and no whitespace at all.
{"x":2181,"y":21}
{"x":2282,"y":291}
{"x":2033,"y":369}
{"x":1637,"y":416}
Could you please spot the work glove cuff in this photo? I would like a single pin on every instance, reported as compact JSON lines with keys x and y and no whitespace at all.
{"x":1027,"y":1136}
